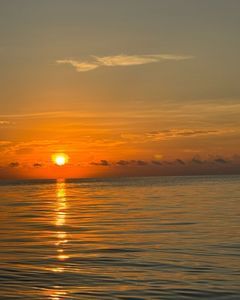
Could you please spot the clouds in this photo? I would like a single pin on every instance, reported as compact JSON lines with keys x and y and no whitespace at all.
{"x":5,"y":143}
{"x":102,"y":162}
{"x":126,"y":167}
{"x":174,"y":133}
{"x":196,"y":160}
{"x":14,"y":165}
{"x":122,"y":162}
{"x":17,"y":164}
{"x":180,"y":161}
{"x":168,"y":134}
{"x":133,"y":60}
{"x":79,"y":66}
{"x":121,"y":60}
{"x":37,"y":165}
{"x":5,"y":122}
{"x":221,"y":160}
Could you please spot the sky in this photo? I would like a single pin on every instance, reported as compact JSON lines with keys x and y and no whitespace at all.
{"x":124,"y":88}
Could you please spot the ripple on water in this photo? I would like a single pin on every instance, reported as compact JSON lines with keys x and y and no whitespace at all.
{"x":142,"y":238}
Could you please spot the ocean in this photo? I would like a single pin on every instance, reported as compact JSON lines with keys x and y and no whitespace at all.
{"x":122,"y":238}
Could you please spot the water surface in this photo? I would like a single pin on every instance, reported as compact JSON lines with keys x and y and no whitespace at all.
{"x":132,"y":238}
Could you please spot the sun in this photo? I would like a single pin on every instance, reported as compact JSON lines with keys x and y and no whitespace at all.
{"x":60,"y":159}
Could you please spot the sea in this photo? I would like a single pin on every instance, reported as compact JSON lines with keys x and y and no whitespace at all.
{"x":121,"y":238}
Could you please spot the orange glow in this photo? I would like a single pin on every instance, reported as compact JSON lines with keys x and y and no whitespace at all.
{"x":60,"y":159}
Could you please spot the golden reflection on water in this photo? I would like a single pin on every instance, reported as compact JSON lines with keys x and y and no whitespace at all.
{"x":61,"y":236}
{"x":145,"y":238}
{"x":60,"y":220}
{"x":56,"y":293}
{"x":61,"y":203}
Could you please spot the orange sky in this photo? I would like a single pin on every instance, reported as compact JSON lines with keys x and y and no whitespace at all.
{"x":123,"y":89}
{"x":116,"y":144}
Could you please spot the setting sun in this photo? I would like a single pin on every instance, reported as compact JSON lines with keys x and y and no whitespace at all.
{"x":60,"y":159}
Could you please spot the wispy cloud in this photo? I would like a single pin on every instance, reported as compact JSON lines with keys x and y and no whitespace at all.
{"x":4,"y":123}
{"x":80,"y":66}
{"x":132,"y":60}
{"x":121,"y":60}
{"x":168,"y":134}
{"x":32,"y":115}
{"x":5,"y":143}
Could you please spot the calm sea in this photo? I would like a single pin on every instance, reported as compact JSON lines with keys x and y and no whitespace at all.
{"x":132,"y":238}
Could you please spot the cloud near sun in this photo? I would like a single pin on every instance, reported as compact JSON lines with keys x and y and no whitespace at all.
{"x":121,"y":60}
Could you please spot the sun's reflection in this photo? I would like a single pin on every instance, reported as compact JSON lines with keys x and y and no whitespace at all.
{"x":56,"y":293}
{"x":61,"y":237}
{"x":60,"y":220}
{"x":61,"y":203}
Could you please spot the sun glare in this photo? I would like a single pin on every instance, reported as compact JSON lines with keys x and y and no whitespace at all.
{"x":60,"y":159}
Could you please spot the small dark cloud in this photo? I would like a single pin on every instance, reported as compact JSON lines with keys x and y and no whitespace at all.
{"x":196,"y":160}
{"x":221,"y":161}
{"x":14,"y":165}
{"x":37,"y":165}
{"x":123,"y":162}
{"x":102,"y":162}
{"x":180,"y":161}
{"x":156,"y":162}
{"x":197,"y":132}
{"x":141,"y":162}
{"x":132,"y":162}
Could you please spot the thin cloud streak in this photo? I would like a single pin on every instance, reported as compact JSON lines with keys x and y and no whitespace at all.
{"x":5,"y":122}
{"x":79,"y":66}
{"x":169,"y":134}
{"x":121,"y":60}
{"x":138,"y":112}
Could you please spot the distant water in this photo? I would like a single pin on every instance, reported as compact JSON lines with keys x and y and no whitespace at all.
{"x":132,"y":238}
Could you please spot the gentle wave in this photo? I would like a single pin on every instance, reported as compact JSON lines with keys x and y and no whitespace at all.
{"x":123,"y":238}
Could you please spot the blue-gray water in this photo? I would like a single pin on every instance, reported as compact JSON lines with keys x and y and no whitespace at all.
{"x":133,"y":238}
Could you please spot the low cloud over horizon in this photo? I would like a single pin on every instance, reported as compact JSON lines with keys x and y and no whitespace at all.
{"x":195,"y":165}
{"x":121,"y":60}
{"x":139,"y":162}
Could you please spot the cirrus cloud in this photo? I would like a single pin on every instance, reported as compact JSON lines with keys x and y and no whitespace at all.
{"x":121,"y":60}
